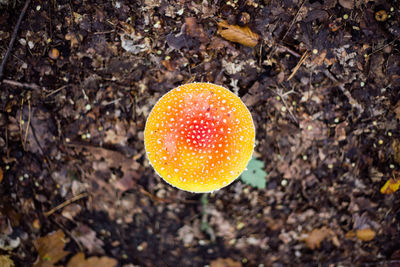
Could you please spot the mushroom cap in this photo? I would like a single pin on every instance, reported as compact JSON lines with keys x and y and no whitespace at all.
{"x":199,"y":137}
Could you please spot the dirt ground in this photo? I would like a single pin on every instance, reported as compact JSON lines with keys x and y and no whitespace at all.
{"x":321,"y":79}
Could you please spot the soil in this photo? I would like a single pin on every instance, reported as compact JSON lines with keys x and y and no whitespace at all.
{"x":322,"y":83}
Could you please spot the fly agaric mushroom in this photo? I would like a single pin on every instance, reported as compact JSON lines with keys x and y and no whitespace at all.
{"x":199,"y":137}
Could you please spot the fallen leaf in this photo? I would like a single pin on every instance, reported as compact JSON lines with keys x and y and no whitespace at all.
{"x":350,"y":234}
{"x":71,"y":211}
{"x":1,"y":175}
{"x":349,"y":4}
{"x":237,"y":34}
{"x":313,"y":129}
{"x":195,"y":30}
{"x":255,"y":174}
{"x":79,"y":261}
{"x":314,"y":239}
{"x":397,"y":110}
{"x":396,"y":150}
{"x":50,"y":249}
{"x":88,"y":238}
{"x":5,"y":261}
{"x":221,"y":262}
{"x":391,"y":186}
{"x":366,"y":234}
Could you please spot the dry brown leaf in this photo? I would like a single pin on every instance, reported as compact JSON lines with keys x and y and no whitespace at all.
{"x":50,"y":249}
{"x":366,"y":234}
{"x":221,"y":262}
{"x":1,"y":175}
{"x":5,"y":261}
{"x":314,"y":239}
{"x":79,"y":261}
{"x":237,"y":34}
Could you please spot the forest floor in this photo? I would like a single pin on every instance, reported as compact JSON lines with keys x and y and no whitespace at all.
{"x":321,"y":79}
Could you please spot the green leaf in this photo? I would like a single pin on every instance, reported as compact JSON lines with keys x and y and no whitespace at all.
{"x":255,"y":174}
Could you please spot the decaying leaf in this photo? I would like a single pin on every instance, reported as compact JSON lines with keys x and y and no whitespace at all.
{"x":1,"y":175}
{"x":391,"y":186}
{"x":221,"y":262}
{"x":366,"y":234}
{"x":79,"y":261}
{"x":238,"y":34}
{"x":5,"y":261}
{"x":314,"y":239}
{"x":50,"y":249}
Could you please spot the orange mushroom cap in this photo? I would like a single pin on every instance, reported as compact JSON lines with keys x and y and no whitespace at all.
{"x":199,"y":137}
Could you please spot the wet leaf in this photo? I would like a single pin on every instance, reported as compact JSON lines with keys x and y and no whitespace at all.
{"x":50,"y":249}
{"x":391,"y":186}
{"x":79,"y":261}
{"x":255,"y":174}
{"x":366,"y":234}
{"x":237,"y":34}
{"x":5,"y":261}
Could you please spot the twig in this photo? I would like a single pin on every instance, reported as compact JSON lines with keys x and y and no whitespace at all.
{"x":290,"y":27}
{"x":284,"y":48}
{"x":301,"y":61}
{"x":21,"y":122}
{"x":65,"y":203}
{"x":383,"y":46}
{"x":293,"y":20}
{"x":19,"y":84}
{"x":13,"y":37}
{"x":56,"y":91}
{"x":339,"y":84}
{"x":278,"y":92}
{"x":69,"y":234}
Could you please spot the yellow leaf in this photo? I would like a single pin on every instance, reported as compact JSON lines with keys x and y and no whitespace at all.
{"x":366,"y":234}
{"x":391,"y":186}
{"x":79,"y":261}
{"x":237,"y":34}
{"x":50,"y":249}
